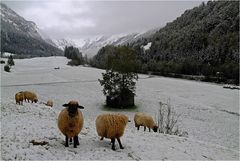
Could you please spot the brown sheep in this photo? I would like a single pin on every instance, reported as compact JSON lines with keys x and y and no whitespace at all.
{"x":30,"y":96}
{"x":49,"y":103}
{"x":111,"y":126}
{"x":19,"y":97}
{"x":143,"y":119}
{"x":70,"y":122}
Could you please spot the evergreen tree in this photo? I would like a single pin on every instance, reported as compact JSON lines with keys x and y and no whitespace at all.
{"x":120,"y":78}
{"x":74,"y":54}
{"x":10,"y":60}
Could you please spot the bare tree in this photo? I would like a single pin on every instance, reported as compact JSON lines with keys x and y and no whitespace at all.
{"x":167,"y":119}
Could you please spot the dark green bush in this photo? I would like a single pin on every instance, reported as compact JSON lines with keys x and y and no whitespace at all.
{"x":7,"y":68}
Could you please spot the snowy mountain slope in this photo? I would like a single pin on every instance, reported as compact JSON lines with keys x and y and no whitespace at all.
{"x":212,"y":132}
{"x":62,"y":43}
{"x":23,"y":37}
{"x":90,"y":46}
{"x":17,"y":23}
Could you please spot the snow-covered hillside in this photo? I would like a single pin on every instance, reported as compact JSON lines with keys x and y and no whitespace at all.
{"x":90,"y":46}
{"x":18,"y":23}
{"x":209,"y":113}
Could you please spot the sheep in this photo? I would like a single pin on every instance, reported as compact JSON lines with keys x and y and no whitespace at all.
{"x":111,"y":126}
{"x":70,"y":122}
{"x":49,"y":103}
{"x":19,"y":97}
{"x":143,"y":119}
{"x":30,"y":96}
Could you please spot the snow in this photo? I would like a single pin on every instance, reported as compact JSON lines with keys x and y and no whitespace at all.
{"x":209,"y":113}
{"x":147,"y":47}
{"x":6,"y":54}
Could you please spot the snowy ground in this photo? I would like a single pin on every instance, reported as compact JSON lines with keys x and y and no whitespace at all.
{"x":209,"y":113}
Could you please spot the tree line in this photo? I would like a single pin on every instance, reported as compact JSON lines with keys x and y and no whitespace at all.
{"x":203,"y":41}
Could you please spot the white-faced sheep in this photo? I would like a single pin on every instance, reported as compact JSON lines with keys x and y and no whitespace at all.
{"x":19,"y":97}
{"x":30,"y":96}
{"x":111,"y":126}
{"x":49,"y":103}
{"x":143,"y":119}
{"x":70,"y":122}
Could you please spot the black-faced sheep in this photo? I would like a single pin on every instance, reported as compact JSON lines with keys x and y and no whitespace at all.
{"x":30,"y":96}
{"x":19,"y":97}
{"x":111,"y":126}
{"x":143,"y":119}
{"x":70,"y":122}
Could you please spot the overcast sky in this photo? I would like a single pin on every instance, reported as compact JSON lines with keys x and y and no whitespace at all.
{"x":82,"y":19}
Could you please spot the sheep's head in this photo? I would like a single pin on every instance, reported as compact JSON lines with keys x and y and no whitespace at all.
{"x":155,"y":128}
{"x":123,"y":118}
{"x":72,"y":107}
{"x":35,"y":100}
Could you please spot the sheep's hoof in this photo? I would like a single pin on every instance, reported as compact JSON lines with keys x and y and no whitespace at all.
{"x":66,"y":145}
{"x":113,"y":149}
{"x":121,"y":147}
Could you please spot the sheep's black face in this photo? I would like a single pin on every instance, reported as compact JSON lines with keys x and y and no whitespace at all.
{"x":155,"y":128}
{"x":72,"y":108}
{"x":35,"y":100}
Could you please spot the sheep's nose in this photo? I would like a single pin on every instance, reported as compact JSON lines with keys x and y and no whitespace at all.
{"x":129,"y":120}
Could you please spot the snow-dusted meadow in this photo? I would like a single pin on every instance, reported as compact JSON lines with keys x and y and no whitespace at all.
{"x":209,"y":113}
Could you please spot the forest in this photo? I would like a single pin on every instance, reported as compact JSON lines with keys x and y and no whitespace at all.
{"x":203,"y":41}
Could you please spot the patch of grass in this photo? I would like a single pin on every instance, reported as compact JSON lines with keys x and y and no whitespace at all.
{"x":112,"y":109}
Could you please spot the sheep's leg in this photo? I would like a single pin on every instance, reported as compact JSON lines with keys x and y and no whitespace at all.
{"x":149,"y":129}
{"x":66,"y":141}
{"x":120,"y":144}
{"x":75,"y":140}
{"x":144,"y":128}
{"x":113,"y":144}
{"x":70,"y":140}
{"x":138,"y":128}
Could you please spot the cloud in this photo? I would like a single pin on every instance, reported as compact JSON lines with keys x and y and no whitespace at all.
{"x":80,"y":19}
{"x":60,"y":15}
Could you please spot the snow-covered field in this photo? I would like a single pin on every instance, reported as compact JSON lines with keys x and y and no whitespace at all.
{"x":209,"y":113}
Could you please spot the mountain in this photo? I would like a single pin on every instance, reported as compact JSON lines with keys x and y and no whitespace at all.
{"x":23,"y":37}
{"x":62,"y":43}
{"x":202,"y":41}
{"x":208,"y":33}
{"x":91,"y":46}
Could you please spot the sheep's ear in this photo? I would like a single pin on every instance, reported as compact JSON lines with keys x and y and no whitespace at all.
{"x":81,"y":107}
{"x":65,"y":105}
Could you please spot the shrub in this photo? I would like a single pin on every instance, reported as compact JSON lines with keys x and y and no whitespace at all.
{"x":168,"y":119}
{"x":7,"y":68}
{"x":2,"y":62}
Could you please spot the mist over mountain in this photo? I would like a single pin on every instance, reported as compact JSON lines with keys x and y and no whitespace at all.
{"x":90,"y":46}
{"x":23,"y":37}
